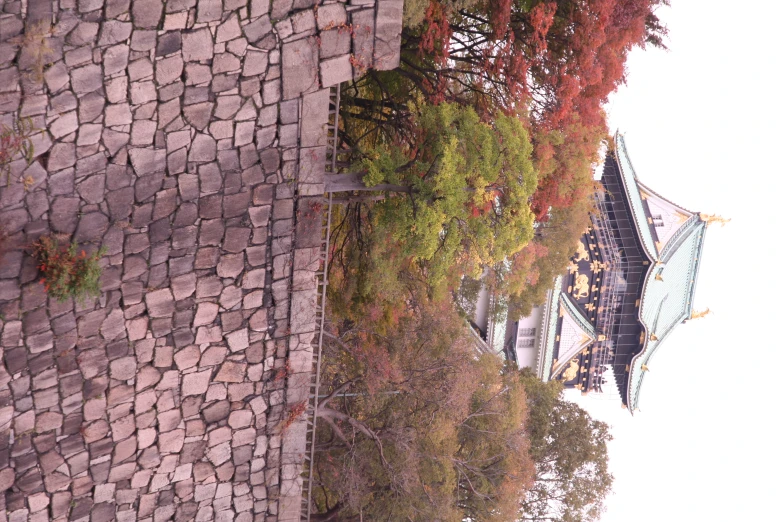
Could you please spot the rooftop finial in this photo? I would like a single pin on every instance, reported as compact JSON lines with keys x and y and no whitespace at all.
{"x":713,"y":218}
{"x":699,"y":315}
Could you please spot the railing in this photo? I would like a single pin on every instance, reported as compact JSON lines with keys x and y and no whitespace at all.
{"x":610,"y":252}
{"x":332,"y":140}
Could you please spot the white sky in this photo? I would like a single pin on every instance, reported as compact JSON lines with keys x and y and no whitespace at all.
{"x":702,"y":124}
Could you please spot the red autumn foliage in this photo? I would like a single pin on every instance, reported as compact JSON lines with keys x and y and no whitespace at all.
{"x":557,"y":61}
{"x":524,"y":263}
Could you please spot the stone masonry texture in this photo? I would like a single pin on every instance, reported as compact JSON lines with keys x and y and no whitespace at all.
{"x":187,"y":137}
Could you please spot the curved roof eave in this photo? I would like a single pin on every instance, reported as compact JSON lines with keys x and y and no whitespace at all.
{"x":629,"y":179}
{"x":676,"y":239}
{"x":632,"y":393}
{"x":577,"y":315}
{"x":583,"y":324}
{"x":667,"y":200}
{"x":550,"y":322}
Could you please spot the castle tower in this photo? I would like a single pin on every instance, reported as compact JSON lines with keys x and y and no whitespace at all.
{"x":630,"y":283}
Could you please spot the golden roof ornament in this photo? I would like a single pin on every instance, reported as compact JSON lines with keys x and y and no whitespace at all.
{"x":713,"y":218}
{"x":658,"y":277}
{"x":653,"y":337}
{"x":581,"y":253}
{"x":699,"y":315}
{"x":572,"y":370}
{"x":645,"y":368}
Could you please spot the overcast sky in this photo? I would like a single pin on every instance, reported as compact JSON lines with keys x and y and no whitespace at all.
{"x":703,"y":128}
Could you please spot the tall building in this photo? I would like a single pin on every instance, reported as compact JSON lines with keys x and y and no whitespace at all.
{"x":630,"y":283}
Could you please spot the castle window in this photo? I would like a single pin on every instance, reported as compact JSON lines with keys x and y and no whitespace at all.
{"x":527,"y":332}
{"x":527,"y":343}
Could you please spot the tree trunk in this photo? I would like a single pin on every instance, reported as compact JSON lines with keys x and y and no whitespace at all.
{"x":353,"y":181}
{"x":356,"y":199}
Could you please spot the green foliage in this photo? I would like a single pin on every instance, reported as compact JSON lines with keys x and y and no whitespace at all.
{"x":569,"y":448}
{"x":534,"y":269}
{"x":66,"y":271}
{"x":413,"y":12}
{"x":467,"y":294}
{"x":465,"y":206}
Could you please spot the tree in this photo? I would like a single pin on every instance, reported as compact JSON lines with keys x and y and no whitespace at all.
{"x":416,"y":427}
{"x":460,"y":192}
{"x":554,"y":62}
{"x":569,"y":449}
{"x":557,"y":55}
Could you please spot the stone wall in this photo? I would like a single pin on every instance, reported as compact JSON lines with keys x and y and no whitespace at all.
{"x":187,"y":138}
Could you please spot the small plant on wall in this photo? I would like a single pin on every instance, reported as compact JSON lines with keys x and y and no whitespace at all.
{"x":3,"y":243}
{"x":15,"y":143}
{"x":66,"y":270}
{"x":37,"y":51}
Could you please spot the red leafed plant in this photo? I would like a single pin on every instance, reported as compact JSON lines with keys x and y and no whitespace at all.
{"x":67,"y":271}
{"x":293,"y":412}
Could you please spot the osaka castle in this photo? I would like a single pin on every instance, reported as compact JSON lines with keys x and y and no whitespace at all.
{"x":630,"y":283}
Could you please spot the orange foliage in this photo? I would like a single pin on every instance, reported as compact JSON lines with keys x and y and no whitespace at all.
{"x":558,"y":61}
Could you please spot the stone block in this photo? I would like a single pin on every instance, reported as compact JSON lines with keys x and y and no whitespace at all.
{"x":315,"y":114}
{"x":336,"y":70}
{"x":147,"y":13}
{"x":300,"y":61}
{"x":115,"y":59}
{"x":255,"y":63}
{"x":114,"y":31}
{"x":169,"y":69}
{"x":197,"y":46}
{"x":147,"y":160}
{"x":303,"y":305}
{"x":388,"y":35}
{"x":168,"y":43}
{"x":331,"y":16}
{"x":335,"y":42}
{"x":303,"y":23}
{"x":257,"y":29}
{"x":229,"y":29}
{"x":363,"y":38}
{"x":208,"y":10}
{"x":160,"y":303}
{"x":203,"y":149}
{"x":312,"y":163}
{"x":231,"y":372}
{"x":198,"y":114}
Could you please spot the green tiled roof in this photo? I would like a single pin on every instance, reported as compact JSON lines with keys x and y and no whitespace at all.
{"x":628,"y":176}
{"x":667,"y":303}
{"x":577,"y":315}
{"x":550,"y":320}
{"x":498,"y":338}
{"x":566,"y":349}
